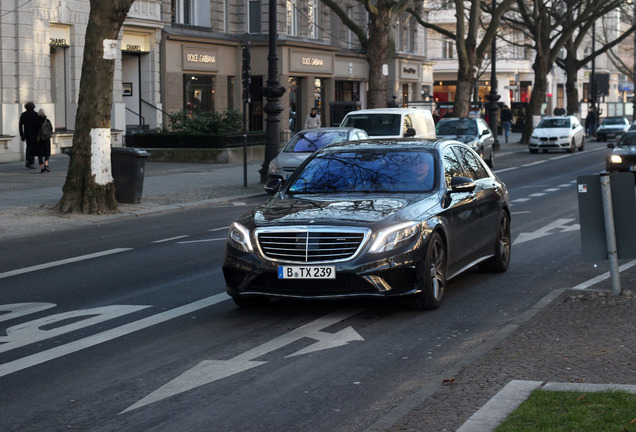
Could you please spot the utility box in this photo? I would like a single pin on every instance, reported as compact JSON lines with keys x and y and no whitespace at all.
{"x":592,"y":219}
{"x":128,"y":166}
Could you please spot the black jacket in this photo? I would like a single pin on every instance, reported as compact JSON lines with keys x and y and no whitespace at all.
{"x":29,"y":125}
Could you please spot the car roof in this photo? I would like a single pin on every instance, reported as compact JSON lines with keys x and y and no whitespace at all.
{"x":330,"y":129}
{"x":388,"y":111}
{"x":390,"y":144}
{"x":557,"y":117}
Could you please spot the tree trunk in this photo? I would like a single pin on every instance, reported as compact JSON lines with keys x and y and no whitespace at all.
{"x":536,"y":98}
{"x":89,"y":186}
{"x":377,"y":55}
{"x":571,"y":93}
{"x":465,"y":89}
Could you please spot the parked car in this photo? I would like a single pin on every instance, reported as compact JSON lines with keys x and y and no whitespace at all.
{"x":612,"y":127}
{"x":304,"y":143}
{"x":392,"y":122}
{"x":557,"y":133}
{"x":376,"y":218}
{"x":474,"y":132}
{"x":623,"y":156}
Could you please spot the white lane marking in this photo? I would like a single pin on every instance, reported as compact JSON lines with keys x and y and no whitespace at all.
{"x":108,"y":335}
{"x":62,"y":262}
{"x":239,"y":204}
{"x":202,"y":241}
{"x":520,"y":212}
{"x":536,"y":195}
{"x":551,"y":190}
{"x":16,"y":310}
{"x":535,"y":163}
{"x":219,"y":229}
{"x":212,"y":370}
{"x":559,"y":224}
{"x":171,"y":238}
{"x":506,"y":169}
{"x":520,"y":200}
{"x":602,"y":277}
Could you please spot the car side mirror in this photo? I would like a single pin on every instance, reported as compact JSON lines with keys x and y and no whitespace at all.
{"x":611,"y":145}
{"x":462,"y":184}
{"x":409,"y":132}
{"x":273,"y":186}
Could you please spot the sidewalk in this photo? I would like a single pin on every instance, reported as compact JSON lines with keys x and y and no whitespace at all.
{"x":568,"y":337}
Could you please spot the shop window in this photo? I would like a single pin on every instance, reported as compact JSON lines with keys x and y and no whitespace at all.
{"x":347,"y":91}
{"x":292,"y":17}
{"x":59,"y":88}
{"x":254,"y":12}
{"x":198,"y":93}
{"x":191,"y":12}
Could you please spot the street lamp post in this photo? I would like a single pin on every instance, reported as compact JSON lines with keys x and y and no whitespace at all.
{"x":493,"y":97}
{"x":272,"y":92}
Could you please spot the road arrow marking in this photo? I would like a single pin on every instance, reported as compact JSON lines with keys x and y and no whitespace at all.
{"x":559,"y":224}
{"x":212,"y":370}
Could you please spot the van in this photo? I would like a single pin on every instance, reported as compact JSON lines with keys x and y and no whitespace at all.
{"x":392,"y":122}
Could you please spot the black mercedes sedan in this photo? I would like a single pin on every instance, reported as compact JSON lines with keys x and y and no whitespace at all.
{"x":376,"y":218}
{"x":623,"y":156}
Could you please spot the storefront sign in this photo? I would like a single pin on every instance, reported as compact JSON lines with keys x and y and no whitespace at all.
{"x":134,"y":42}
{"x":199,"y":58}
{"x":311,"y":62}
{"x":59,"y":36}
{"x":409,"y":70}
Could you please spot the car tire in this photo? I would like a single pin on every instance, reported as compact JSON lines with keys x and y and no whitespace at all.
{"x":501,"y":258}
{"x":431,"y":276}
{"x":491,"y":160}
{"x":582,"y":147}
{"x":572,"y":146}
{"x":250,"y":301}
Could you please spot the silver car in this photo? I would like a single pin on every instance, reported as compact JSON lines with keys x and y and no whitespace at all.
{"x":474,"y":132}
{"x":304,"y":143}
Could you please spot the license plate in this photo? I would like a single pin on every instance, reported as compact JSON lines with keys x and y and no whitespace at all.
{"x":306,"y":272}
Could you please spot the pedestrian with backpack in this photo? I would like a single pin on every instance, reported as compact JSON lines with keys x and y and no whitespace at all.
{"x":43,"y":146}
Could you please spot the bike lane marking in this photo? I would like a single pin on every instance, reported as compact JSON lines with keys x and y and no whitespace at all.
{"x":108,"y":335}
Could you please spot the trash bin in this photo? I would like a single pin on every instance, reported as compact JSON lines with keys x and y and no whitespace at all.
{"x":128,"y":166}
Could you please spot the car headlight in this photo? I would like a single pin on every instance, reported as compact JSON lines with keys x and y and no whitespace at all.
{"x":239,"y":237}
{"x":616,"y":159}
{"x":274,"y":168}
{"x":394,"y":237}
{"x":534,"y":137}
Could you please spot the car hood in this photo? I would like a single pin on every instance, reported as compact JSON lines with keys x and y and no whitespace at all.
{"x":462,"y":138}
{"x":613,"y":127}
{"x":625,"y":150}
{"x":291,"y":159}
{"x":350,"y":209}
{"x":551,"y":132}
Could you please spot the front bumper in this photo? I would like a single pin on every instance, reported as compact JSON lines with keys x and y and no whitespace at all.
{"x":368,"y":275}
{"x":609,"y":133}
{"x":550,"y":143}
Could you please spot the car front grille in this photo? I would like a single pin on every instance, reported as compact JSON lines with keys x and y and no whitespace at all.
{"x":310,"y":244}
{"x":548,"y":139}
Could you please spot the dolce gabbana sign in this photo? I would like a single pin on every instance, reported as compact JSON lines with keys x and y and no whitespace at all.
{"x":311,"y":62}
{"x":199,"y":58}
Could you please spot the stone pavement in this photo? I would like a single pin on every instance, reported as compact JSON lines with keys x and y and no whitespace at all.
{"x":571,"y":336}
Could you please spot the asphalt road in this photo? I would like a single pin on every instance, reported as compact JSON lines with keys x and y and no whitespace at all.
{"x":125,"y":325}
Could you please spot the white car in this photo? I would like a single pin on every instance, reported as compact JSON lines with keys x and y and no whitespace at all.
{"x":557,"y":133}
{"x":382,"y":123}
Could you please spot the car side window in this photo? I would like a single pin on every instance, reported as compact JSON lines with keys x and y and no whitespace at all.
{"x":452,"y":166}
{"x":473,"y":166}
{"x":408,"y":123}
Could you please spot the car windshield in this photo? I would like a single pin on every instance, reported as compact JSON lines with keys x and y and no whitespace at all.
{"x":375,"y":124}
{"x":554,"y":123}
{"x":367,"y":171}
{"x":627,"y":140}
{"x":310,"y":141}
{"x":613,"y":121}
{"x":456,"y":127}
